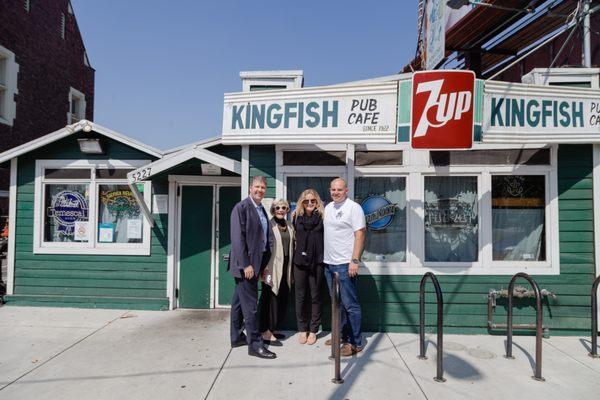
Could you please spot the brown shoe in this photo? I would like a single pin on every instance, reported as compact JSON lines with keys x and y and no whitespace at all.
{"x":301,"y":337}
{"x":328,"y":342}
{"x":312,"y":338}
{"x":350,"y":350}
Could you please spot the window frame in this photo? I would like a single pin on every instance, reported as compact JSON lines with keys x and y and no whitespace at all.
{"x":8,"y":103}
{"x":76,"y":94}
{"x":379,"y":267}
{"x":416,"y":167}
{"x":40,"y":246}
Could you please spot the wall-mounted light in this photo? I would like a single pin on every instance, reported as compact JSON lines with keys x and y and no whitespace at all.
{"x":90,"y":146}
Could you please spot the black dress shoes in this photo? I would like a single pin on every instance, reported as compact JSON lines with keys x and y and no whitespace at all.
{"x":261,"y":352}
{"x":240,"y":342}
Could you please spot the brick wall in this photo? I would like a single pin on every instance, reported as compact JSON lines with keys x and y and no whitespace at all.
{"x":48,"y":66}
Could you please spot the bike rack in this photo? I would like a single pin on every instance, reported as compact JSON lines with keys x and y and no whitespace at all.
{"x":440,"y":324}
{"x":538,"y":323}
{"x":335,"y":328}
{"x":594,"y":352}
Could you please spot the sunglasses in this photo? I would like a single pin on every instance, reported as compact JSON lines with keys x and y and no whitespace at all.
{"x":284,"y":208}
{"x":311,"y":201}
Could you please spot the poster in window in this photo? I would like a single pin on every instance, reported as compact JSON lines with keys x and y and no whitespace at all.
{"x":105,"y":233}
{"x":65,"y":205}
{"x":117,"y":206}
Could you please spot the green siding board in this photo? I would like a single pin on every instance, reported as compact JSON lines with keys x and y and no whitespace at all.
{"x":85,"y":278}
{"x":262,"y":162}
{"x":92,"y":291}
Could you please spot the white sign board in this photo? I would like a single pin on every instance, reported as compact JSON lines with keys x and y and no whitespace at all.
{"x":435,"y":34}
{"x":540,"y":114}
{"x":160,"y":203}
{"x":334,"y":114}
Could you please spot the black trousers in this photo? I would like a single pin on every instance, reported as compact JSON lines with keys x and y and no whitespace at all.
{"x":273,"y":307}
{"x":308,"y":281}
{"x":244,"y":306}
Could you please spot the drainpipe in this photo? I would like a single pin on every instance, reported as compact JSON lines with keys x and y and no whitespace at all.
{"x":587,"y":52}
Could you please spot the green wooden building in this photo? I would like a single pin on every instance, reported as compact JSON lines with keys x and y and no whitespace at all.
{"x":100,"y":220}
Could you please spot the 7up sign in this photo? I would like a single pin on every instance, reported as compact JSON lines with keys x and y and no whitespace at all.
{"x":442,"y":110}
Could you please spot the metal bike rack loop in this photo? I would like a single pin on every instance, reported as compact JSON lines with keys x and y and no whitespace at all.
{"x":440,"y":324}
{"x":594,"y":352}
{"x":538,"y":323}
{"x":335,"y":328}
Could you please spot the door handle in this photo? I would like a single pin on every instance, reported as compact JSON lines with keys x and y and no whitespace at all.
{"x":225,"y":257}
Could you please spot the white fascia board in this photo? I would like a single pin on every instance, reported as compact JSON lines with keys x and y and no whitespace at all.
{"x":213,"y":141}
{"x":84,"y":126}
{"x":172,"y":160}
{"x":219,"y":160}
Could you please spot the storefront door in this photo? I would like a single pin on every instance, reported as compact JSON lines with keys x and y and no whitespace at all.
{"x":204,"y":245}
{"x":195,"y":246}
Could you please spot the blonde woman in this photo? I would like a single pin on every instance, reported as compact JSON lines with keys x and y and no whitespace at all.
{"x":308,"y":264}
{"x":277,"y":276}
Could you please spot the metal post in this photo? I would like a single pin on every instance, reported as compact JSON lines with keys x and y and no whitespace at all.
{"x":594,"y":352}
{"x":335,"y":328}
{"x":538,"y":323}
{"x":440,"y":324}
{"x":587,"y":52}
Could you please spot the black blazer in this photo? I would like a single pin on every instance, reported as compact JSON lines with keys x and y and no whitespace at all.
{"x":246,"y":239}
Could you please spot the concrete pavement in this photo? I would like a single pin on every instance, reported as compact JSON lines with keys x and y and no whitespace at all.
{"x":55,"y":353}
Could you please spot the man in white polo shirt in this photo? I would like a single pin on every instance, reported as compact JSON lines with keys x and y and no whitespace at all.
{"x":344,"y":238}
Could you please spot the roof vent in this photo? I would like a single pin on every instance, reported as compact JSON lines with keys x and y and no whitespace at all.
{"x":271,"y":80}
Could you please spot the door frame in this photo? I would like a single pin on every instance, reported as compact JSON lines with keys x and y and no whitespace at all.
{"x":176,"y":182}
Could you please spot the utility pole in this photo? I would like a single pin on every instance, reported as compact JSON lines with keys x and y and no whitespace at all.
{"x":587,"y":56}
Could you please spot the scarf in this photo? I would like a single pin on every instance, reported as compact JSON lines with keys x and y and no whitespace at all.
{"x":309,"y":239}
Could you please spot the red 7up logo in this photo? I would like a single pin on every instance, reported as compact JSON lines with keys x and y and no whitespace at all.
{"x":442,"y":109}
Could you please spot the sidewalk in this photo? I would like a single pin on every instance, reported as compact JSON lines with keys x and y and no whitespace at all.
{"x":54,"y":353}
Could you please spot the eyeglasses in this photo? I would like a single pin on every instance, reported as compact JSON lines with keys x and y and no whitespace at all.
{"x":284,"y":208}
{"x":311,"y":201}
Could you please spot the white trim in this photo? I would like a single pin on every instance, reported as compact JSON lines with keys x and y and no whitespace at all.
{"x":81,"y":126}
{"x":245,"y":171}
{"x":171,"y":241}
{"x":12,"y":72}
{"x":205,"y":180}
{"x":92,"y":246}
{"x":596,"y":196}
{"x":12,"y":223}
{"x":291,"y":79}
{"x":350,"y":169}
{"x":4,"y":193}
{"x":213,"y":141}
{"x":161,"y":165}
{"x":76,"y":94}
{"x":548,"y":76}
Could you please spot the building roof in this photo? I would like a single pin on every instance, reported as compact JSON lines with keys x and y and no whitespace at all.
{"x":81,"y":126}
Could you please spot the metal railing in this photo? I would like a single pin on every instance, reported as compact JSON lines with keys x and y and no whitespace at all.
{"x":440,"y":324}
{"x":538,"y":322}
{"x":336,"y":328}
{"x":594,"y":351}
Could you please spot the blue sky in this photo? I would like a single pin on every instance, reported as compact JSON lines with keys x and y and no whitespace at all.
{"x":162,"y":66}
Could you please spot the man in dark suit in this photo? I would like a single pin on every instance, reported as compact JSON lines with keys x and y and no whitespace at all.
{"x":250,"y":252}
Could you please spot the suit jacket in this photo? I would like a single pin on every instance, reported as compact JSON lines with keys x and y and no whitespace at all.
{"x":246,"y":239}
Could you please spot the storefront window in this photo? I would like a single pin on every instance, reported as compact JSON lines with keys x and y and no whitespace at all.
{"x":518,"y":222}
{"x":383,"y":200}
{"x":82,"y":207}
{"x":119,"y":216}
{"x":451,"y":219}
{"x":66,"y":213}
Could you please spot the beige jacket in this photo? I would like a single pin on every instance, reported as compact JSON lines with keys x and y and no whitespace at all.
{"x":276,"y":262}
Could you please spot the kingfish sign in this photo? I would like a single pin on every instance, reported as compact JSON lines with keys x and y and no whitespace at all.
{"x":517,"y":113}
{"x":336,"y":114}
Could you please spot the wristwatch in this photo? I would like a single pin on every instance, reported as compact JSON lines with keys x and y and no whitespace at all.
{"x":355,"y":261}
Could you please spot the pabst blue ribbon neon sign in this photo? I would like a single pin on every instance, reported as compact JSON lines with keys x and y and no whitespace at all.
{"x":67,"y":207}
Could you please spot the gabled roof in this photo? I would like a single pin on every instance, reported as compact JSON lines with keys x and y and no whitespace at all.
{"x":202,"y":144}
{"x":81,"y":126}
{"x":181,"y":156}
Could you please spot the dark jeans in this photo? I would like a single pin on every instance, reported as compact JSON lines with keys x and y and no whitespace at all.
{"x":308,"y":280}
{"x":244,"y":306}
{"x":349,"y":306}
{"x":273,"y":307}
